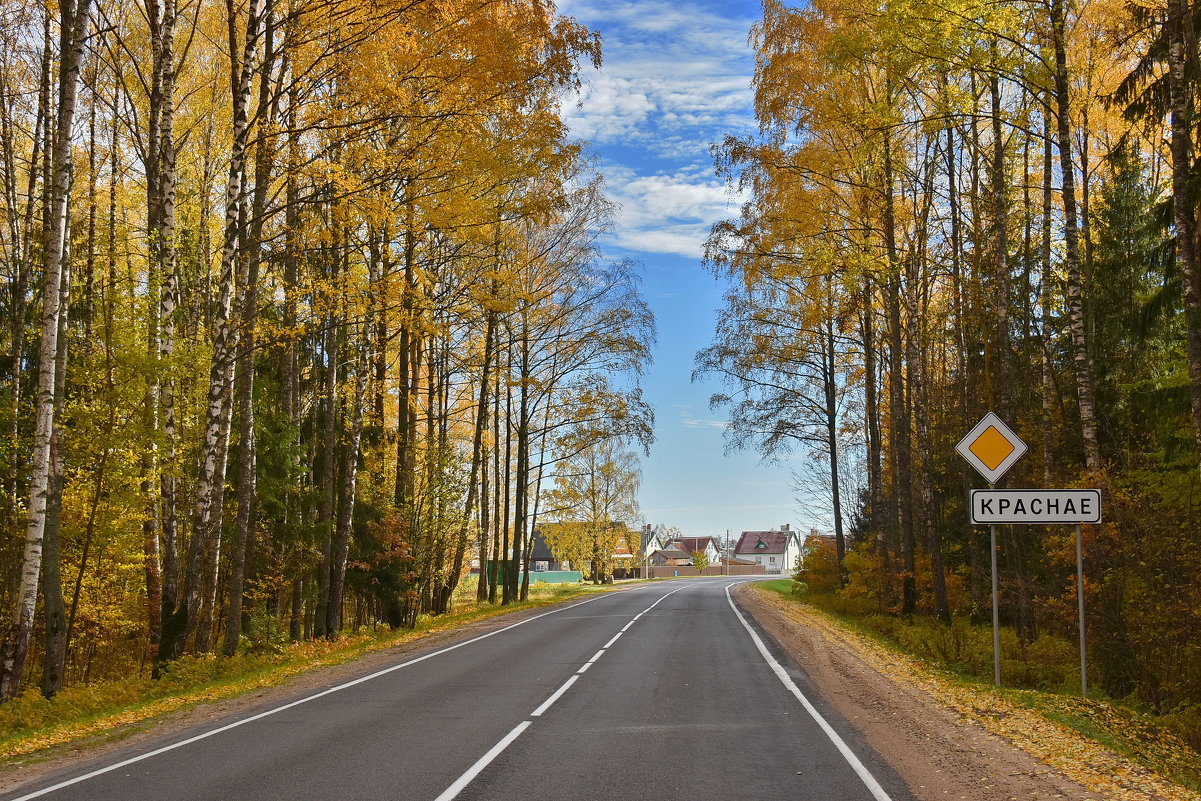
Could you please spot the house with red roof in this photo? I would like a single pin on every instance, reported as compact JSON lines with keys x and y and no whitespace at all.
{"x":706,"y":545}
{"x":680,"y":551}
{"x":777,"y":551}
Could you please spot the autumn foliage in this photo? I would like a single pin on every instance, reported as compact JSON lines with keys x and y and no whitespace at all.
{"x":955,"y":208}
{"x":302,"y":307}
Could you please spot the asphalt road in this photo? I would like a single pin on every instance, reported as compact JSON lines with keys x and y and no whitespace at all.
{"x":655,"y":692}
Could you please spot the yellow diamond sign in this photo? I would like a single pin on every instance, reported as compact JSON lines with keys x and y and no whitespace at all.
{"x":991,"y":447}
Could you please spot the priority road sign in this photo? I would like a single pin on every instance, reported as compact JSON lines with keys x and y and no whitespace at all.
{"x":991,"y":447}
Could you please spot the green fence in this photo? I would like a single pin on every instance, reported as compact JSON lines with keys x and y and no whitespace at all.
{"x":556,"y":576}
{"x":544,"y":576}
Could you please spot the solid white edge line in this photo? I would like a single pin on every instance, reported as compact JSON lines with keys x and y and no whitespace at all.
{"x":274,"y":710}
{"x":864,"y":774}
{"x":483,"y":762}
{"x":298,"y":702}
{"x":537,"y":713}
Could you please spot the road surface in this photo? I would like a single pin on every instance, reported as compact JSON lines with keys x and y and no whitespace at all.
{"x":660,"y":691}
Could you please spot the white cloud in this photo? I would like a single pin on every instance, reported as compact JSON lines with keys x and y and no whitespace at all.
{"x":690,"y":420}
{"x":674,"y":80}
{"x":665,"y":67}
{"x":667,"y":213}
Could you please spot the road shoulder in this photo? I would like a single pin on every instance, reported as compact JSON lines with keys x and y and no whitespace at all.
{"x":944,"y":741}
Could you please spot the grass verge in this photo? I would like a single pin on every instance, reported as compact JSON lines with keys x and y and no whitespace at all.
{"x":30,"y":724}
{"x":1099,"y":725}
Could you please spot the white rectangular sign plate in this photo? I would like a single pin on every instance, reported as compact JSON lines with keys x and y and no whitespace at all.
{"x":1037,"y":506}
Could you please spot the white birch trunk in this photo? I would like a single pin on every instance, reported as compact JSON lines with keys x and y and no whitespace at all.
{"x":204,"y":548}
{"x":1075,"y":289}
{"x":74,"y":27}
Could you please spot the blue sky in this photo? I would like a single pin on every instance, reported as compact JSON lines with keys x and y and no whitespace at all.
{"x":675,"y":79}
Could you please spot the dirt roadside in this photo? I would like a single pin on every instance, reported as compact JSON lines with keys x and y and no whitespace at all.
{"x":944,"y":741}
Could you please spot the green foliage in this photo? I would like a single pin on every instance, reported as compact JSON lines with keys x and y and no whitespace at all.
{"x":266,"y":634}
{"x":1185,"y":722}
{"x":1136,"y":304}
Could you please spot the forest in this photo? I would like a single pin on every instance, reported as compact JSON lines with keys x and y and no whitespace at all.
{"x":303,"y":312}
{"x":960,"y":207}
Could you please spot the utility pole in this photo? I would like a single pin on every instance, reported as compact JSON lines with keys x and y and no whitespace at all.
{"x":729,"y":571}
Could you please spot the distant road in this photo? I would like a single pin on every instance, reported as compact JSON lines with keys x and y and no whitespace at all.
{"x":657,"y":692}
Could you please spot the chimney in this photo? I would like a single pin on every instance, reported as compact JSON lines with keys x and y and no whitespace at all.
{"x":786,"y":527}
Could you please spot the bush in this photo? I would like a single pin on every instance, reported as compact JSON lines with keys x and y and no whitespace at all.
{"x":1185,"y":723}
{"x":267,"y":635}
{"x":817,"y":568}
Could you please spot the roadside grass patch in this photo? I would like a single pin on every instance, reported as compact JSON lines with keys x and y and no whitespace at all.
{"x":781,"y":586}
{"x":31,"y":723}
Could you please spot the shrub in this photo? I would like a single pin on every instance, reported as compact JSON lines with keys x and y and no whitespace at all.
{"x":266,"y":634}
{"x":1185,"y":722}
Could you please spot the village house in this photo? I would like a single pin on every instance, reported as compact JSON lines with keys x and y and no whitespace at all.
{"x":776,"y":551}
{"x":681,"y":551}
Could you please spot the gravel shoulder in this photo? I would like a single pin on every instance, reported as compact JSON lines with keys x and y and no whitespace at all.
{"x":947,"y":741}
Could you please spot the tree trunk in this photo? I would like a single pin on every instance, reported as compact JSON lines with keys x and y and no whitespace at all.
{"x":898,"y":409}
{"x":329,"y":458}
{"x":341,"y":543}
{"x":74,"y":28}
{"x":54,"y":654}
{"x":830,"y":392}
{"x":407,"y":390}
{"x":477,"y":455}
{"x":289,"y":368}
{"x":522,"y":473}
{"x":498,"y":522}
{"x":199,"y":580}
{"x":22,"y":256}
{"x":875,"y":447}
{"x":1075,"y":287}
{"x":997,"y":355}
{"x":247,"y":442}
{"x":1044,"y":293}
{"x":1183,"y":209}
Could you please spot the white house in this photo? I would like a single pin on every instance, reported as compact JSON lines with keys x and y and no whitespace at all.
{"x":706,"y":545}
{"x":777,"y":551}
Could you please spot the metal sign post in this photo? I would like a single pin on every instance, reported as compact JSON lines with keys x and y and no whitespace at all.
{"x":996,"y":608}
{"x":1080,"y":605}
{"x":992,"y":448}
{"x":1046,"y":507}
